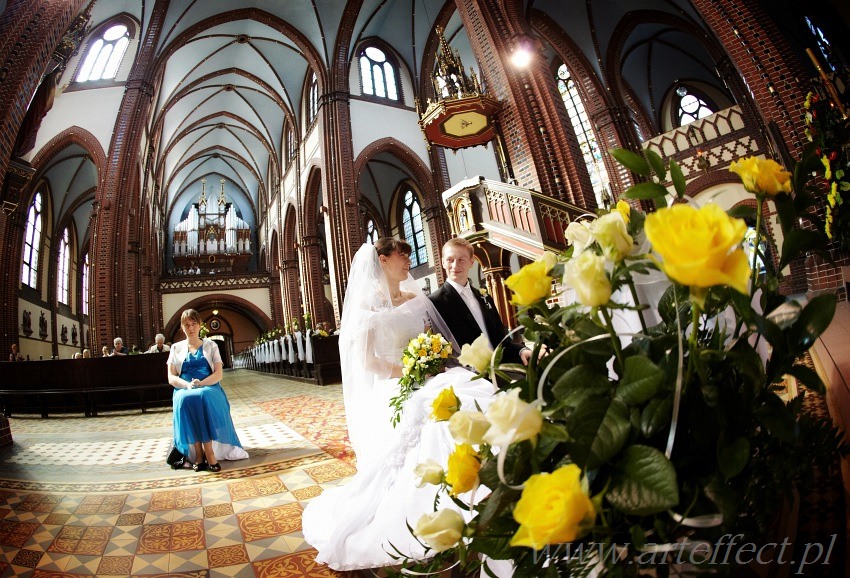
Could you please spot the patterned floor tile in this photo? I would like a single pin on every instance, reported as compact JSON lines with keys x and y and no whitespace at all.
{"x":227,"y":556}
{"x":331,"y":471}
{"x":256,"y":487}
{"x":115,"y":566}
{"x":175,"y":499}
{"x":28,"y":558}
{"x":324,"y":425}
{"x":150,"y":564}
{"x":81,"y":541}
{"x":16,"y":534}
{"x":307,"y":493}
{"x":217,"y":510}
{"x":176,"y":537}
{"x":187,"y":561}
{"x":101,"y":505}
{"x":134,"y":519}
{"x":270,"y":522}
{"x":291,"y":565}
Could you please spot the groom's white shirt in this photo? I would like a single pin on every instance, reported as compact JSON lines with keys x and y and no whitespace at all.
{"x":465,"y":292}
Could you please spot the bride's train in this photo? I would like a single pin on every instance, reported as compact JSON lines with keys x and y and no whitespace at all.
{"x":364,"y":523}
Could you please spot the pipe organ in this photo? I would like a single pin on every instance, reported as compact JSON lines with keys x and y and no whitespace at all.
{"x":212,"y":238}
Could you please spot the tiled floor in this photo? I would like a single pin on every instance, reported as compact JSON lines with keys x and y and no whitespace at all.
{"x":93,"y":496}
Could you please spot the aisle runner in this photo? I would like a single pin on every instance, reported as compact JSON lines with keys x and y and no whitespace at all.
{"x":324,"y":425}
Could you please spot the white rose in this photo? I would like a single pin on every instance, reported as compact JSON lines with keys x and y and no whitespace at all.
{"x":477,"y":354}
{"x":549,"y":258}
{"x":468,"y":427}
{"x":512,"y":420}
{"x":579,"y":236}
{"x":586,"y":274}
{"x":613,"y":237}
{"x":440,"y":530}
{"x":428,"y":472}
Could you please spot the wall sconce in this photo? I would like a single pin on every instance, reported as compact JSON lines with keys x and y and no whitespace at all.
{"x":296,"y":245}
{"x":350,"y":202}
{"x":215,"y":311}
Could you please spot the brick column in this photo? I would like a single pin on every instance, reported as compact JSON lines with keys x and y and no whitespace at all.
{"x":311,"y":253}
{"x":543,"y":153}
{"x":116,"y":275}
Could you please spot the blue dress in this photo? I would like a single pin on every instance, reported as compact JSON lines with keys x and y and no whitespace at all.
{"x":203,"y":414}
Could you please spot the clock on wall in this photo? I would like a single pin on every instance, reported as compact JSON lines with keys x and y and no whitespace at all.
{"x":215,"y":324}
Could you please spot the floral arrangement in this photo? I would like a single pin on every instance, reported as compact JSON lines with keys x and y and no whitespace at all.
{"x":623,"y":448}
{"x":424,"y":355}
{"x":829,"y":132}
{"x":203,"y":331}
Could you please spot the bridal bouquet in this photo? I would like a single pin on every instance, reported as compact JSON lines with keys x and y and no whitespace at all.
{"x":651,"y":431}
{"x":424,"y":355}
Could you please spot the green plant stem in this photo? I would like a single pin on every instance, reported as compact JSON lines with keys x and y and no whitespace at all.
{"x":692,"y":344}
{"x":615,"y":340}
{"x":633,"y":290}
{"x":759,"y":209}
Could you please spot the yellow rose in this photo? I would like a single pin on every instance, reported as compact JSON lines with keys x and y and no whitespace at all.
{"x":428,"y":472}
{"x":530,"y":283}
{"x":476,"y":354}
{"x":700,"y":247}
{"x":552,"y":509}
{"x":462,"y":473}
{"x":445,"y":405}
{"x":440,"y":530}
{"x":578,"y":235}
{"x":612,"y":236}
{"x":469,"y":427}
{"x":512,"y":420}
{"x":762,"y":176}
{"x":827,"y":169}
{"x":586,"y":274}
{"x":625,"y":210}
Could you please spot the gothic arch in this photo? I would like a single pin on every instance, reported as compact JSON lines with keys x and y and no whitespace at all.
{"x":69,"y":136}
{"x":243,"y":306}
{"x":410,"y":159}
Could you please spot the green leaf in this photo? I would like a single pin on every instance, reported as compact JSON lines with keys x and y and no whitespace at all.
{"x":646,"y":483}
{"x":733,"y":458}
{"x":599,"y":428}
{"x":807,"y":377}
{"x":813,"y":321}
{"x":742,"y":212}
{"x":678,"y":179}
{"x":657,"y":164}
{"x":655,"y":416}
{"x":786,"y":212}
{"x":640,"y":381}
{"x":799,"y":241}
{"x":646,"y":191}
{"x":667,"y":305}
{"x":632,"y":161}
{"x":497,"y":502}
{"x":579,"y":382}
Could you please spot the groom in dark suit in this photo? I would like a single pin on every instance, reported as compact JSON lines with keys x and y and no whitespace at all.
{"x":468,"y":311}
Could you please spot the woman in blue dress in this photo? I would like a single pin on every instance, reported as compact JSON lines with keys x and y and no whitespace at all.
{"x":203,"y":429}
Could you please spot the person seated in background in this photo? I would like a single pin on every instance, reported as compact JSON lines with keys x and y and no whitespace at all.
{"x":159,"y":344}
{"x":203,"y":428}
{"x":86,"y":353}
{"x":14,"y":354}
{"x":119,"y":347}
{"x":104,"y":351}
{"x":78,"y":355}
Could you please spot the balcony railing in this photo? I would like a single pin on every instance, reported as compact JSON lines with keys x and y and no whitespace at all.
{"x":520,"y":220}
{"x":202,"y":282}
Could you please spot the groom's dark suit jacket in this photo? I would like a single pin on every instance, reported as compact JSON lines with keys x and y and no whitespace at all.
{"x":463,"y":326}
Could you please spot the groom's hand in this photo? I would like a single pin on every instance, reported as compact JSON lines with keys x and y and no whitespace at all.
{"x":525,"y":355}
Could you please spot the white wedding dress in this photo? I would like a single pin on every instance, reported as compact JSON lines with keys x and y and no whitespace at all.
{"x":362,"y":523}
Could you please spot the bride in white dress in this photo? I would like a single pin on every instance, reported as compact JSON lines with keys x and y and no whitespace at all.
{"x":362,"y":523}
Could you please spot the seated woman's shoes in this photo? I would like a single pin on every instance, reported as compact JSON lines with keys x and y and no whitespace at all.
{"x":200,"y":466}
{"x":215,"y":467}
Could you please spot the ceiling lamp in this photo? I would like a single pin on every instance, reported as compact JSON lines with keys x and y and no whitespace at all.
{"x":463,"y":114}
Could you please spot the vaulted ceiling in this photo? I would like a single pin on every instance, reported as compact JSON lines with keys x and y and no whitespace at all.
{"x":231,"y":75}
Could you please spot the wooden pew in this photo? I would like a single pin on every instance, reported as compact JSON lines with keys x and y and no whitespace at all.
{"x":326,"y":368}
{"x":85,"y":385}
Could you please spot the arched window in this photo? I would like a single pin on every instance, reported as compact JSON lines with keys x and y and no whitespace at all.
{"x":584,"y":133}
{"x":313,"y":100}
{"x":62,"y":273}
{"x":85,"y":285}
{"x":824,"y":46}
{"x":377,"y":74}
{"x":105,"y":54}
{"x":32,"y":243}
{"x":371,"y":232}
{"x":290,"y":145}
{"x":411,"y":220}
{"x":690,"y":107}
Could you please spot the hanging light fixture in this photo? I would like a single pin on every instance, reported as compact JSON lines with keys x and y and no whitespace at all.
{"x":463,"y":114}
